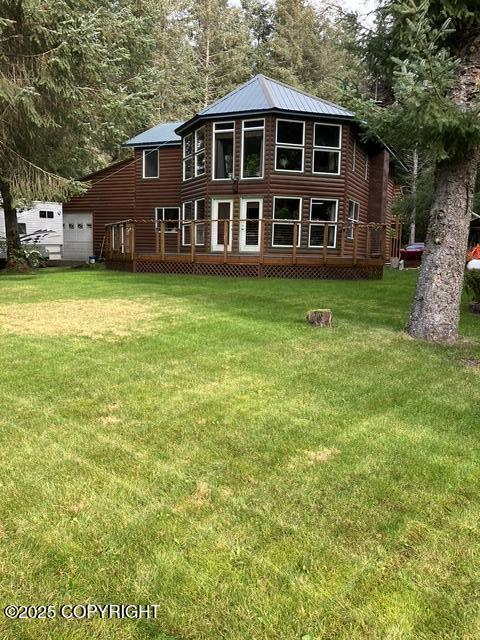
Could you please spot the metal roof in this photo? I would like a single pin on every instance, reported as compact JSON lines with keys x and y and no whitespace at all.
{"x":262,"y":93}
{"x":162,"y":134}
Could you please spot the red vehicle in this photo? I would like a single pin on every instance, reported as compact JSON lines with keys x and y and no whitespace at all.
{"x":412,"y":254}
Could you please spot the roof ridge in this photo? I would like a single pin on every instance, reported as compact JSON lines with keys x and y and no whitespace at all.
{"x":266,"y":89}
{"x":231,"y":93}
{"x":305,"y":93}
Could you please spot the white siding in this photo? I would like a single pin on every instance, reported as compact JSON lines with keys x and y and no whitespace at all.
{"x":47,"y":232}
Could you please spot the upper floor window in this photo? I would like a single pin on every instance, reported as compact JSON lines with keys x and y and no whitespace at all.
{"x":194,"y":154}
{"x":367,"y":166}
{"x":253,"y":133}
{"x":290,"y":142}
{"x":46,"y":214}
{"x":223,"y":150}
{"x":327,"y":145}
{"x":150,"y":163}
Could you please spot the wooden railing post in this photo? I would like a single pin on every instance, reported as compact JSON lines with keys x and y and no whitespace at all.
{"x":342,"y":240}
{"x":368,"y":250}
{"x":132,"y":240}
{"x":179,"y":235}
{"x":226,"y":230}
{"x":294,"y":245}
{"x":192,"y":241}
{"x":162,"y":240}
{"x":325,"y":243}
{"x":261,"y":239}
{"x":355,"y":243}
{"x":384,"y":241}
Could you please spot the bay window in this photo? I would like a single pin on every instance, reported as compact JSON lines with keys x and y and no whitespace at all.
{"x":150,"y":163}
{"x":194,"y":154}
{"x":323,"y":210}
{"x":286,"y":211}
{"x":290,"y":143}
{"x":169,"y":215}
{"x":327,"y":145}
{"x":253,"y":133}
{"x":223,"y":150}
{"x":353,"y":218}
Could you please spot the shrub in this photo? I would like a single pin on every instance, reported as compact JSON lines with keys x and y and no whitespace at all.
{"x":472,"y":284}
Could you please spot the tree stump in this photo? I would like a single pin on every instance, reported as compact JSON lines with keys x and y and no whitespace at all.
{"x":319,"y":317}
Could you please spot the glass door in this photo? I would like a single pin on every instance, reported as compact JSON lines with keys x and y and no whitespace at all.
{"x":250,"y":216}
{"x":222,"y":210}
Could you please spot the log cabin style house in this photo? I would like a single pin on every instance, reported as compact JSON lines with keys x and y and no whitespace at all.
{"x":267,"y":181}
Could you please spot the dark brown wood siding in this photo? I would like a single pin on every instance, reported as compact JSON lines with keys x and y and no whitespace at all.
{"x":110,"y":197}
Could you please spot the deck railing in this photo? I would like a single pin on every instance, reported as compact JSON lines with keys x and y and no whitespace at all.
{"x":352,"y":240}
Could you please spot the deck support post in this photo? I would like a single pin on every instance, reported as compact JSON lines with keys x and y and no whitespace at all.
{"x":162,"y":240}
{"x":342,"y":240}
{"x":325,"y":243}
{"x":294,"y":245}
{"x":368,"y":250}
{"x":355,"y":243}
{"x":132,"y":241}
{"x":192,"y":241}
{"x":226,"y":234}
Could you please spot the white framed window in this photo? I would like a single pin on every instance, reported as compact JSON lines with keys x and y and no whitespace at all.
{"x":150,"y":164}
{"x":45,"y":214}
{"x":169,"y":215}
{"x":327,"y":148}
{"x":354,"y":156}
{"x":199,"y":151}
{"x":187,"y":215}
{"x":286,"y":211}
{"x":199,"y":213}
{"x":253,"y":149}
{"x":223,"y":156}
{"x":188,"y":157}
{"x":353,"y":217}
{"x":323,"y":210}
{"x":289,"y":145}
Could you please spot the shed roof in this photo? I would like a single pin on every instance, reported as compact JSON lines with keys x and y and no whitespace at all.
{"x":162,"y":134}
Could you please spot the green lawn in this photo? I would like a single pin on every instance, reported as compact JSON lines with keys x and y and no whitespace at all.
{"x":191,"y":442}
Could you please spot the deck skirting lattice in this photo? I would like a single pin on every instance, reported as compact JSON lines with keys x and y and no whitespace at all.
{"x":229,"y":270}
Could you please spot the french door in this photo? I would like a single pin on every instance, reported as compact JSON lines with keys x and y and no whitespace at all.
{"x":251,"y":210}
{"x":222,"y":217}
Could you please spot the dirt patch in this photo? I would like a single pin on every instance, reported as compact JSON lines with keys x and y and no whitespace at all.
{"x":114,"y":318}
{"x":322,"y":455}
{"x":471,"y":362}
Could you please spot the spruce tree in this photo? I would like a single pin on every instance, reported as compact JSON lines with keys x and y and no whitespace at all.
{"x":74,"y":81}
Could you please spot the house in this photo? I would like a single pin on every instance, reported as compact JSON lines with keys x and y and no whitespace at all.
{"x":41,"y":225}
{"x":266,"y":181}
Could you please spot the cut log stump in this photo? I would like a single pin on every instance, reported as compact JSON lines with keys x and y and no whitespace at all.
{"x":320,"y":317}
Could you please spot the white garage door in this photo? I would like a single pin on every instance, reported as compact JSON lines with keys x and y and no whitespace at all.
{"x":77,"y":236}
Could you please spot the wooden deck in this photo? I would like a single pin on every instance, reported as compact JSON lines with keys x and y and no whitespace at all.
{"x":359,"y":257}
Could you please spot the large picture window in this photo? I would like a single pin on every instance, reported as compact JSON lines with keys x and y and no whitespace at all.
{"x":286,"y":211}
{"x":223,"y":150}
{"x":194,"y":154}
{"x":321,"y":211}
{"x":290,"y":142}
{"x":353,"y":217}
{"x":150,"y":168}
{"x":327,"y":145}
{"x":169,"y":215}
{"x":253,"y":133}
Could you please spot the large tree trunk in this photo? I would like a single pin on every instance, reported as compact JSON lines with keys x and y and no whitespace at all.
{"x":16,"y":260}
{"x":436,"y":305}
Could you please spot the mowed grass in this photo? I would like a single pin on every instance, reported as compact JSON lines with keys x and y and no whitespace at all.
{"x":191,"y":442}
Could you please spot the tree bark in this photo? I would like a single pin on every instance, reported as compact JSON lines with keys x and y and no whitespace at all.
{"x":16,"y":260}
{"x":436,"y":306}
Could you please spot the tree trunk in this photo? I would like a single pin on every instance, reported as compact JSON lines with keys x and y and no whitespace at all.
{"x":413,"y":217}
{"x":16,"y":260}
{"x":436,"y":306}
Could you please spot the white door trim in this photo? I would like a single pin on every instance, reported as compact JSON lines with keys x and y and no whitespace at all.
{"x":215,"y":245}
